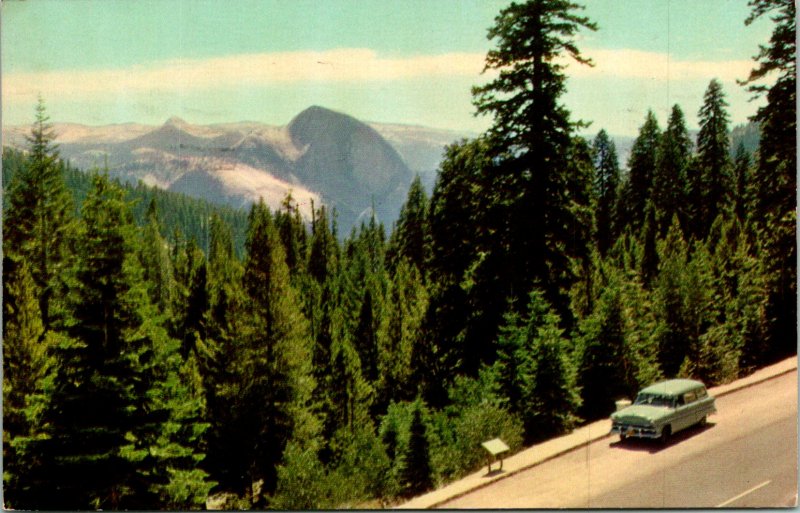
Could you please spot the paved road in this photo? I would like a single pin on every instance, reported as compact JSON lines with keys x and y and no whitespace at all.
{"x":746,"y":457}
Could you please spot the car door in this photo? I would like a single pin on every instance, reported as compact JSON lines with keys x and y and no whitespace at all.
{"x":693,"y":408}
{"x":684,"y":413}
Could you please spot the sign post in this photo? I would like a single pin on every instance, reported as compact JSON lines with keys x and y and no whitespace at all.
{"x":495,"y":448}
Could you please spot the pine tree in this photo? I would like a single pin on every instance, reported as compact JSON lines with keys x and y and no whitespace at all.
{"x":155,"y":260}
{"x":106,"y":388}
{"x":531,"y":209}
{"x":455,"y":216}
{"x":775,"y":174}
{"x":638,"y":188}
{"x":536,"y":372}
{"x":669,"y":180}
{"x":26,"y":364}
{"x":292,"y":233}
{"x":39,"y":216}
{"x":400,"y":335}
{"x":324,"y":253}
{"x":742,"y":186}
{"x":734,"y":344}
{"x":352,"y":395}
{"x":274,"y":365}
{"x":649,"y":262}
{"x":606,"y":182}
{"x":366,"y":337}
{"x":712,"y":155}
{"x":602,"y":370}
{"x":777,"y":149}
{"x":682,"y":296}
{"x":458,"y":228}
{"x":190,"y":300}
{"x":409,"y":239}
{"x":415,"y":476}
{"x":223,"y":323}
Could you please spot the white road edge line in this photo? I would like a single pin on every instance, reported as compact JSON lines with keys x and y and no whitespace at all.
{"x":751,"y":490}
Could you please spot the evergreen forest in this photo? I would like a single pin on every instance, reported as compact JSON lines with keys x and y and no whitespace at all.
{"x":161,"y":352}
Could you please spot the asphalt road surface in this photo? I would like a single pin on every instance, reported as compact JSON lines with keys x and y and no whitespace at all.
{"x":745,"y":457}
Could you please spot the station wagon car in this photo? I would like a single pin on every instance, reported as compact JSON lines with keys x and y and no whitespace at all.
{"x":663,"y":409}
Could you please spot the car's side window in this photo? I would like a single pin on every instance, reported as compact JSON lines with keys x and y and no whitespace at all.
{"x":701,"y":393}
{"x":689,"y":397}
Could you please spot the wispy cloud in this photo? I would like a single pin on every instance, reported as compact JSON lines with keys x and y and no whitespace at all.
{"x":340,"y":65}
{"x":637,"y":64}
{"x":337,"y":66}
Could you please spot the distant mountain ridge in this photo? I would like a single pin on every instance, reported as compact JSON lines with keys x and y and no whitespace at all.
{"x":321,"y":156}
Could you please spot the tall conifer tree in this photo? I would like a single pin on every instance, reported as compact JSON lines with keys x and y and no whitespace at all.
{"x":409,"y":239}
{"x":39,"y":215}
{"x":107,"y":408}
{"x":642,"y":162}
{"x":669,"y":180}
{"x":775,"y":174}
{"x":713,"y":160}
{"x":742,"y":186}
{"x":274,"y":363}
{"x":606,"y":182}
{"x":26,"y":364}
{"x":531,"y":208}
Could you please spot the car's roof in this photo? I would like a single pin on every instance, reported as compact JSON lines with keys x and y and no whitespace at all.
{"x":673,"y":387}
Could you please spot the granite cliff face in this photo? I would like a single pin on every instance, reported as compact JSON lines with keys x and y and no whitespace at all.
{"x":321,"y":156}
{"x":351,"y":163}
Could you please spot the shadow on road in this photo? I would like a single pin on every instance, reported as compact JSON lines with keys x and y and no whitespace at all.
{"x":654,"y":446}
{"x":495,"y":472}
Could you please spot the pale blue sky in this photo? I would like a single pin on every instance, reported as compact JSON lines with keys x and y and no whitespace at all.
{"x":409,"y":61}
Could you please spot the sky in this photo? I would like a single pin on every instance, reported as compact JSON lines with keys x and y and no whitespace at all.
{"x":100,"y":62}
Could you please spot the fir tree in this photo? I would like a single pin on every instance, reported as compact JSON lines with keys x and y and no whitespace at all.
{"x":292,"y":233}
{"x":606,"y":182}
{"x":742,"y":186}
{"x":642,"y":162}
{"x":273,"y":367}
{"x":26,"y":364}
{"x":324,"y":253}
{"x":712,"y":156}
{"x":223,"y":323}
{"x":775,"y":174}
{"x":649,"y":262}
{"x":409,"y":239}
{"x":105,"y":388}
{"x":669,"y":180}
{"x":38,"y":218}
{"x":155,"y":260}
{"x":536,"y":372}
{"x":602,"y":375}
{"x":532,"y":206}
{"x":400,"y":335}
{"x":415,"y":476}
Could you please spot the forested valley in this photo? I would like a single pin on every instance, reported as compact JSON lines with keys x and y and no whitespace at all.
{"x":159,"y":351}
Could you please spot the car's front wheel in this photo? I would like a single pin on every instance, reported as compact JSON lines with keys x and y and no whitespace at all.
{"x":666,"y":433}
